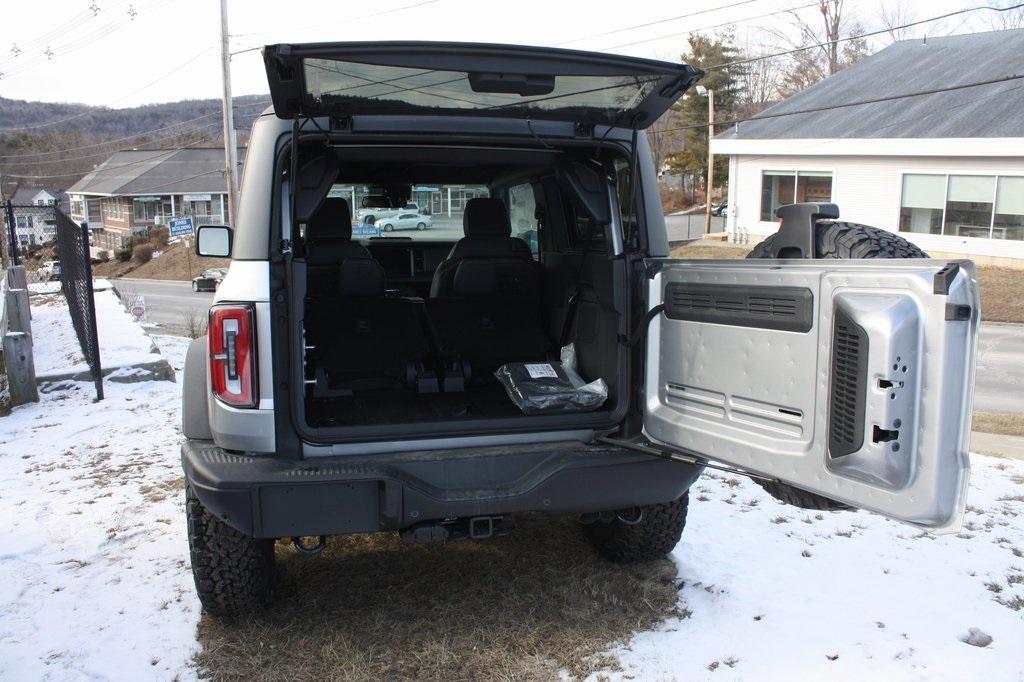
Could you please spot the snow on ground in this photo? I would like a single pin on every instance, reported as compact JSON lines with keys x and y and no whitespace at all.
{"x":94,"y":572}
{"x":779,"y":593}
{"x":95,"y":580}
{"x":55,"y":347}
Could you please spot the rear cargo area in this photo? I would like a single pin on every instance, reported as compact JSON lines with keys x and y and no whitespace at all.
{"x":410,"y":328}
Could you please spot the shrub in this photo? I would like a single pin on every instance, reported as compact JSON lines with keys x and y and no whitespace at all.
{"x":122,"y":254}
{"x":143,"y":253}
{"x":103,"y":256}
{"x":159,"y":236}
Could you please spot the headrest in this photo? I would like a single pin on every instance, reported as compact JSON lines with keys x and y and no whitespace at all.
{"x":475,"y":278}
{"x":360,"y":277}
{"x":486,"y":215}
{"x":331,"y":221}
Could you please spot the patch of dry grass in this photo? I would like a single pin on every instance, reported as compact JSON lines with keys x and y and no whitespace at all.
{"x":710,"y":250}
{"x":374,"y":607}
{"x":992,"y":422}
{"x":1001,"y":294}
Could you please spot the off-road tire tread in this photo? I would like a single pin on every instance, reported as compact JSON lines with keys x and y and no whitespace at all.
{"x":234,"y":573}
{"x":837,"y":239}
{"x":652,"y":538}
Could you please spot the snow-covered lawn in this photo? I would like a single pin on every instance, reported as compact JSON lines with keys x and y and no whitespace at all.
{"x":94,"y":572}
{"x":95,"y":580}
{"x":56,"y":351}
{"x":778,"y":593}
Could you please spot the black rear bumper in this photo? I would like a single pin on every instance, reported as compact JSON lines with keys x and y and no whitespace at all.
{"x":274,"y":497}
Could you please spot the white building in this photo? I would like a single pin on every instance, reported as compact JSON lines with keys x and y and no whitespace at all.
{"x":946,"y":170}
{"x":33,"y":227}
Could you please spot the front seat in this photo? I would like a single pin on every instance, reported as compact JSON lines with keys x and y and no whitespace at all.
{"x":329,"y":244}
{"x":488,"y":237}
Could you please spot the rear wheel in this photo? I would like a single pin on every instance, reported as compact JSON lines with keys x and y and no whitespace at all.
{"x":421,"y":226}
{"x":652,"y":536}
{"x":234,"y":573}
{"x":836,"y":240}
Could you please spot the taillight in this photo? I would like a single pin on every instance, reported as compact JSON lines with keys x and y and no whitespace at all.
{"x":232,"y":346}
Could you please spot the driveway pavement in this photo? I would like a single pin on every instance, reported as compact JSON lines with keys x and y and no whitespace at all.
{"x":999,"y":383}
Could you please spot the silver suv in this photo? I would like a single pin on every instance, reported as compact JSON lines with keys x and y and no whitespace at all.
{"x":538,"y":349}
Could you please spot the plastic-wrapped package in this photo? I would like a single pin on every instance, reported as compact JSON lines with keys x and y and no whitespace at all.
{"x":548,"y":387}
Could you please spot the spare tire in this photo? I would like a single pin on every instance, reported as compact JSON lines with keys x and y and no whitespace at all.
{"x":836,"y":240}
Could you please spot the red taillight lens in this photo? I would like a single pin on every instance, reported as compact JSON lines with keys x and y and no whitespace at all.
{"x":232,"y":345}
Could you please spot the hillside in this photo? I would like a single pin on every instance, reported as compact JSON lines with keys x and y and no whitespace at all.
{"x":53,"y":144}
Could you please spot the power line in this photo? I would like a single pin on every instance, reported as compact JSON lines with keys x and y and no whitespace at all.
{"x":129,"y":137}
{"x":859,"y":36}
{"x":118,"y":99}
{"x":659,"y":21}
{"x":844,"y":105}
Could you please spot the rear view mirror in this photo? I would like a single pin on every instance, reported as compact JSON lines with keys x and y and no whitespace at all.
{"x":213,"y":240}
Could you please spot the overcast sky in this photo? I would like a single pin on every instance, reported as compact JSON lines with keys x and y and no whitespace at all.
{"x":170,"y":49}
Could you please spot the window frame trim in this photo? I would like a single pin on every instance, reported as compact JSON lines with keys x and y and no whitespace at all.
{"x":795,"y":172}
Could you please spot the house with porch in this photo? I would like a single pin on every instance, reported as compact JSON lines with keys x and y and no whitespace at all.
{"x":135,"y":190}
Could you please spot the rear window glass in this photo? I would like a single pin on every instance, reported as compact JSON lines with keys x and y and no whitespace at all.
{"x":393,"y":89}
{"x":432,"y":212}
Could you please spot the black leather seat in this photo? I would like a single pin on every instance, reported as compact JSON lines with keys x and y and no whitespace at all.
{"x":488,"y":238}
{"x":485,"y":297}
{"x":328,"y":244}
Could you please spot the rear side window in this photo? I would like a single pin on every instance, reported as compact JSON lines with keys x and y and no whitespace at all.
{"x":522,"y":213}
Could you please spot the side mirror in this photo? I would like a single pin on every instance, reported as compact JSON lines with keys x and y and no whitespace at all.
{"x":213,"y":240}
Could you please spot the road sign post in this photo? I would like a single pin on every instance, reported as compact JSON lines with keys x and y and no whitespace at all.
{"x":182,"y":227}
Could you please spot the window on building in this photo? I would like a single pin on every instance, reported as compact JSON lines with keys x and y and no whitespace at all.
{"x":969,"y":203}
{"x":984,"y":206}
{"x":144,"y":209}
{"x":924,"y":198}
{"x":522,"y":213}
{"x":1009,"y":217}
{"x":779,"y":188}
{"x":24,"y":222}
{"x":77,"y":207}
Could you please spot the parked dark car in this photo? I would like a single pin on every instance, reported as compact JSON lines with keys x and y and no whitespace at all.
{"x":209,"y":280}
{"x":720,"y":209}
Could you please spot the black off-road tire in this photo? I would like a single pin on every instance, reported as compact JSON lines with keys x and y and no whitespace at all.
{"x":653,"y":537}
{"x":234,"y":573}
{"x":837,"y":240}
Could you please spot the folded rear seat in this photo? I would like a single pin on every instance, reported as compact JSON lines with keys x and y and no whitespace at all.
{"x":362,"y":339}
{"x":493,"y":317}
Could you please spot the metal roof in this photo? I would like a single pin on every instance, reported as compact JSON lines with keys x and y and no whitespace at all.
{"x":158,"y":171}
{"x":910,"y":66}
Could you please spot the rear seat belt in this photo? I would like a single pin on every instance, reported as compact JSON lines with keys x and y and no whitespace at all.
{"x":572,"y":303}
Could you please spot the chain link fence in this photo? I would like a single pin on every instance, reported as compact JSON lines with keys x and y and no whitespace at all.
{"x":55,"y":253}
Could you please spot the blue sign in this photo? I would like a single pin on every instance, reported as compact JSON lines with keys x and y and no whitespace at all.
{"x":364,"y":230}
{"x":180,"y":227}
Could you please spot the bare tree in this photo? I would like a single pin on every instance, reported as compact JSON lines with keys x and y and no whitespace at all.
{"x":760,"y":80}
{"x":823,"y":46}
{"x":1006,"y":18}
{"x":894,"y":15}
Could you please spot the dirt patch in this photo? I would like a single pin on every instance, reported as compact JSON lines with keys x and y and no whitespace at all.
{"x":172,"y":263}
{"x":1001,"y":289}
{"x":373,"y":607}
{"x":710,"y":250}
{"x":992,"y":422}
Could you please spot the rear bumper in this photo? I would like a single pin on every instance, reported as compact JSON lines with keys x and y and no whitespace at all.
{"x":273,"y":497}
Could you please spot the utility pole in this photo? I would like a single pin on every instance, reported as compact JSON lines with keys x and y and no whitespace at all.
{"x":711,"y":159}
{"x":230,"y":148}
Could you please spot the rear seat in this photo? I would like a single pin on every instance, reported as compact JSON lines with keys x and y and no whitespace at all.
{"x":329,"y":244}
{"x":363,"y":340}
{"x":487,"y":324}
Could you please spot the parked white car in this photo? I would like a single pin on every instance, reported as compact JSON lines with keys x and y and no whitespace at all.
{"x":373,"y":215}
{"x":405,"y":220}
